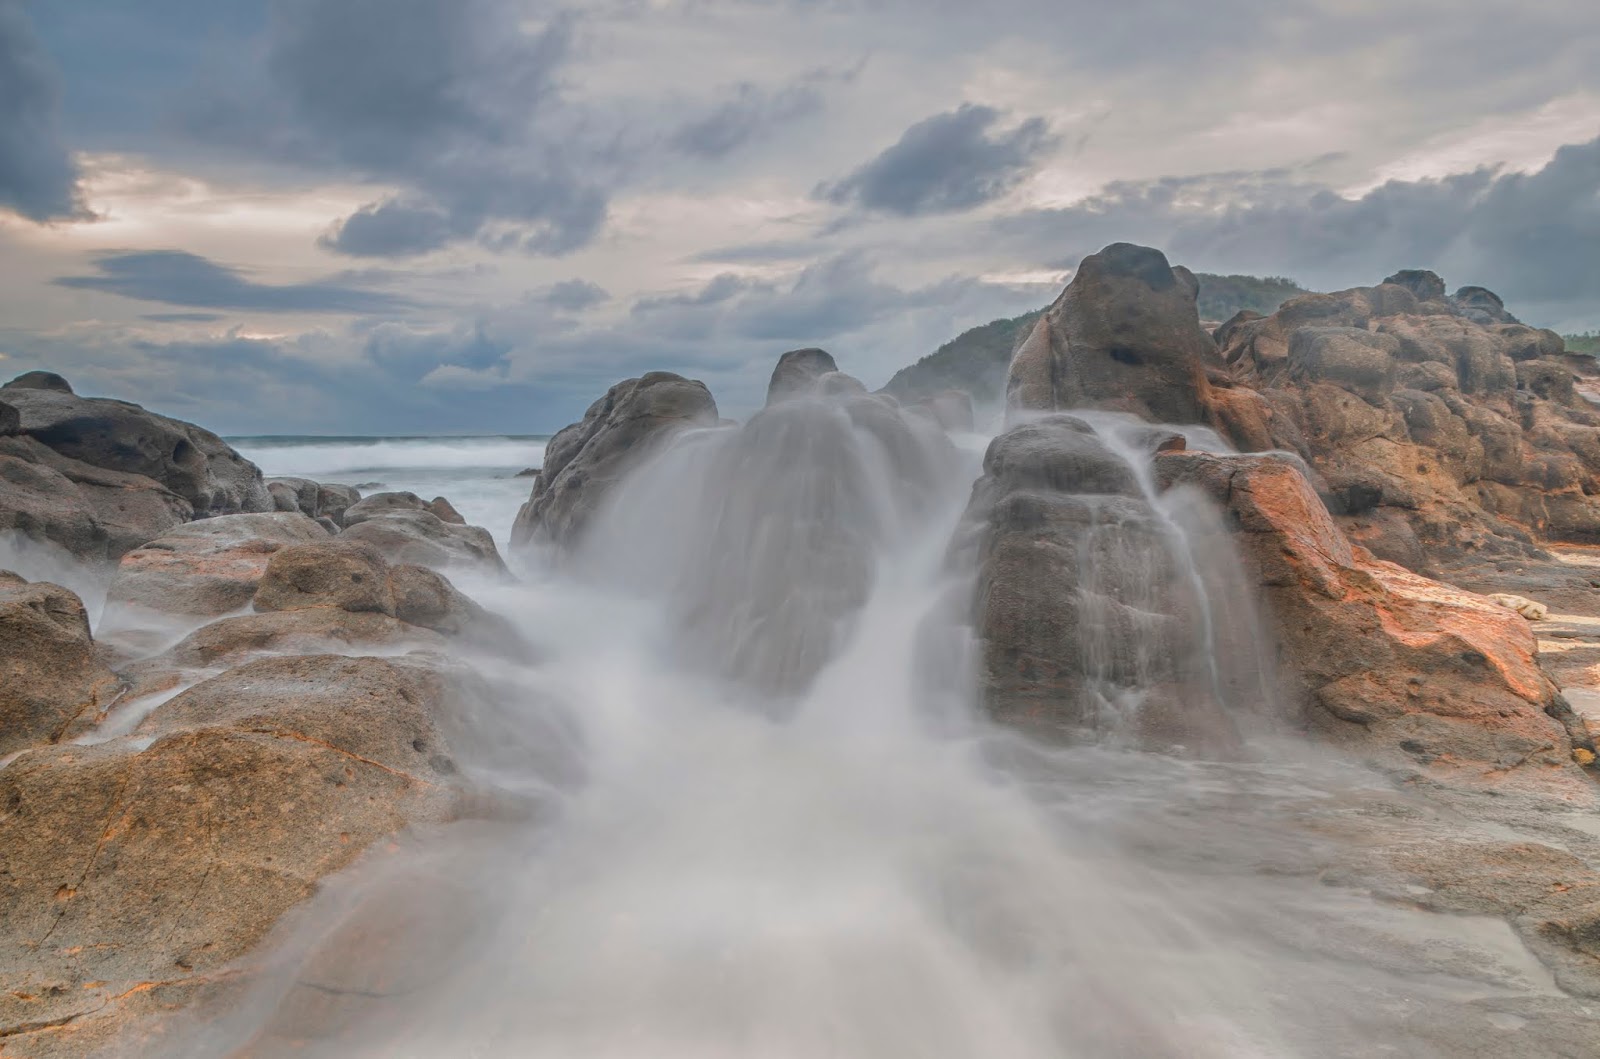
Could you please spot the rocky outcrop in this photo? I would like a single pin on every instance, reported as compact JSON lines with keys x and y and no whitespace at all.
{"x":586,"y":459}
{"x":407,"y":529}
{"x":118,"y":436}
{"x":1441,"y":428}
{"x":1413,"y":673}
{"x":135,"y":874}
{"x":798,"y":373}
{"x":1085,"y":603}
{"x":1124,"y":335}
{"x":315,"y":499}
{"x":50,"y":672}
{"x":210,"y":567}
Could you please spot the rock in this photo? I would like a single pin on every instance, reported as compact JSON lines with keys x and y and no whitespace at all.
{"x":344,"y":574}
{"x":1481,"y":306}
{"x":1427,"y":286}
{"x":39,"y":380}
{"x":584,"y":461}
{"x":1086,"y":619}
{"x":93,"y":513}
{"x":117,"y":436}
{"x":798,"y":373}
{"x":404,"y":528}
{"x":50,"y":673}
{"x":209,"y":567}
{"x":1354,"y":359}
{"x":527,"y":472}
{"x":233,"y":641}
{"x":1413,"y":673}
{"x":10,"y":420}
{"x":1124,"y":335}
{"x":296,"y":494}
{"x":1522,"y":605}
{"x":446,"y":511}
{"x":135,"y":877}
{"x":334,"y":500}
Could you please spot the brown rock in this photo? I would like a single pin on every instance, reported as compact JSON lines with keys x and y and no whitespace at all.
{"x":50,"y":673}
{"x":208,"y":567}
{"x":343,"y":574}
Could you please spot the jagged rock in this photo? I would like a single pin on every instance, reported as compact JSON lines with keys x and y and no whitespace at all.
{"x":118,"y":436}
{"x":585,"y":460}
{"x":135,"y":877}
{"x":798,"y":373}
{"x":50,"y":673}
{"x":208,"y":567}
{"x":405,"y":529}
{"x":1412,"y":672}
{"x":39,"y":380}
{"x":1124,"y":335}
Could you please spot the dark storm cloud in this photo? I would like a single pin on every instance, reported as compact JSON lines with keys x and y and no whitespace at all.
{"x":453,"y":102}
{"x":1530,"y":236}
{"x":38,"y":177}
{"x":174,"y":277}
{"x":944,"y":164}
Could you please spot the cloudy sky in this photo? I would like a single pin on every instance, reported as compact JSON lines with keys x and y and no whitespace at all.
{"x":417,"y":216}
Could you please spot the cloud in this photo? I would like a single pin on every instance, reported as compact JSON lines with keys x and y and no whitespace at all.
{"x":753,"y":112}
{"x":181,"y":318}
{"x":451,"y":103}
{"x":38,"y":178}
{"x":573,"y":295}
{"x":174,"y":277}
{"x":944,"y":164}
{"x":1529,"y":236}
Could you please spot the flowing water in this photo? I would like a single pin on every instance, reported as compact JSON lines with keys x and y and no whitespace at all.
{"x":759,"y":813}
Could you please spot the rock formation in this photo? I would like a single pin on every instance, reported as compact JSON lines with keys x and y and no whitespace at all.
{"x":584,"y":461}
{"x":407,"y":529}
{"x":50,"y":672}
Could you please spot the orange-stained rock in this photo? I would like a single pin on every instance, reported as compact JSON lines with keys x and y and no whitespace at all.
{"x":1411,"y":671}
{"x":50,"y":673}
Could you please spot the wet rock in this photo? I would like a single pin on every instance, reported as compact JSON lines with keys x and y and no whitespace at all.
{"x":237,"y":640}
{"x":1412,"y":672}
{"x":208,"y":567}
{"x":134,"y":877}
{"x":798,"y":373}
{"x":585,"y":460}
{"x":115,"y":435}
{"x":50,"y":673}
{"x":446,"y":511}
{"x":405,"y":530}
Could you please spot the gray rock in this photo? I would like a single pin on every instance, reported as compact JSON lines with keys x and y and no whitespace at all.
{"x":798,"y":372}
{"x":585,"y":460}
{"x":10,"y":420}
{"x":1425,"y":285}
{"x":39,"y":380}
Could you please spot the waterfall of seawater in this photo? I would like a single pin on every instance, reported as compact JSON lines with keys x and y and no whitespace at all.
{"x":764,"y":817}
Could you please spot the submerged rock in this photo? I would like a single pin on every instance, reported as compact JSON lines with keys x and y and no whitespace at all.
{"x":584,"y":461}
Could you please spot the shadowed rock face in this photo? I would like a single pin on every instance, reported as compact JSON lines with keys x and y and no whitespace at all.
{"x":585,"y":460}
{"x":1125,"y":336}
{"x":798,"y":373}
{"x":115,"y":435}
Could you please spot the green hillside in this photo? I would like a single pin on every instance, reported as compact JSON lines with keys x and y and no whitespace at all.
{"x":1588,"y":342}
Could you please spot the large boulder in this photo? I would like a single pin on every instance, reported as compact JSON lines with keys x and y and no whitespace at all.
{"x":1413,"y":673}
{"x":92,"y":513}
{"x":210,"y":567}
{"x":39,"y":380}
{"x":50,"y":673}
{"x":407,"y":529}
{"x":137,"y":870}
{"x":798,"y":372}
{"x":1124,"y":335}
{"x":116,"y":435}
{"x":585,"y":460}
{"x":1087,"y":614}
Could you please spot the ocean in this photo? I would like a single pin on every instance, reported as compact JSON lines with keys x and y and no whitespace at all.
{"x":477,"y":474}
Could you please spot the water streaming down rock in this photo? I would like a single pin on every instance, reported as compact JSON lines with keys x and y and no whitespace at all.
{"x":838,"y":876}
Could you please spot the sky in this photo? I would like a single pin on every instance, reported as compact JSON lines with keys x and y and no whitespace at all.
{"x":474,"y":216}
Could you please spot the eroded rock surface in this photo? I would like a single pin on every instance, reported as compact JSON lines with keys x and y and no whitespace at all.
{"x":407,"y":529}
{"x":50,"y":672}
